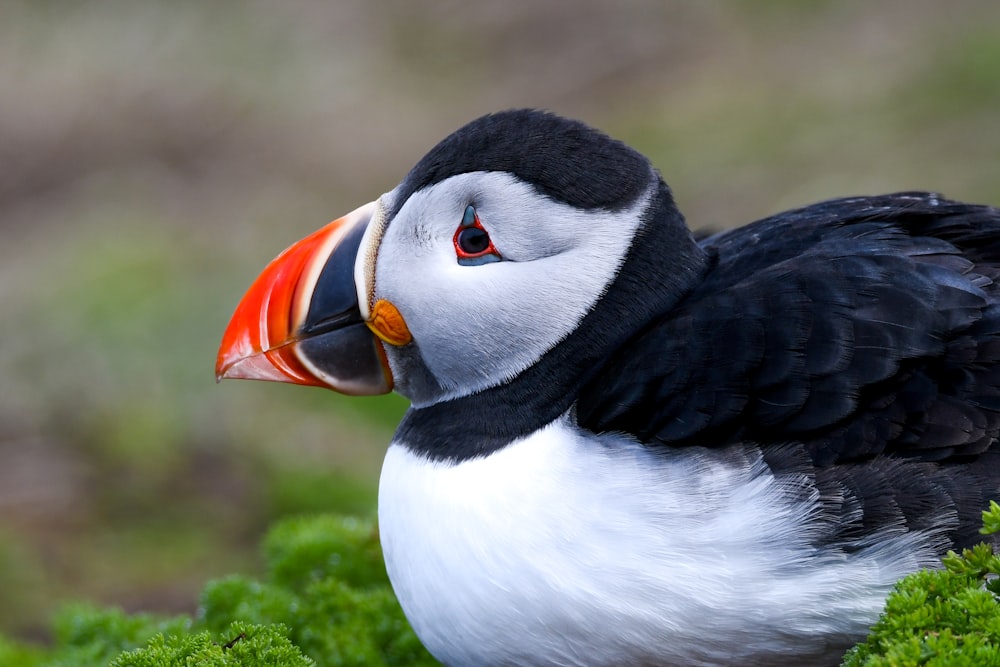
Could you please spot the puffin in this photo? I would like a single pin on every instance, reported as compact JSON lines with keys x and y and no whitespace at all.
{"x":630,"y":446}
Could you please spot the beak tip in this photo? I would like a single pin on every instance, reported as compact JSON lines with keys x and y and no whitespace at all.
{"x":264,"y":338}
{"x":224,"y":362}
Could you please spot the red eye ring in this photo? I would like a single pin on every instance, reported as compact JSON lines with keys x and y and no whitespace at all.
{"x":473,"y":245}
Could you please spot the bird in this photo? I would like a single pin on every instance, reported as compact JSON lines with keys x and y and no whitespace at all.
{"x":627,"y":445}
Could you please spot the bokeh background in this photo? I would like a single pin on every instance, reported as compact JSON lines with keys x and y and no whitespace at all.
{"x":155,"y":155}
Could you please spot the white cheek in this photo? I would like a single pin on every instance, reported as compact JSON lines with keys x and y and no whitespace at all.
{"x":477,"y":326}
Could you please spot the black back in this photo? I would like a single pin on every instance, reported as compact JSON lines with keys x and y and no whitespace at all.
{"x":857,"y":340}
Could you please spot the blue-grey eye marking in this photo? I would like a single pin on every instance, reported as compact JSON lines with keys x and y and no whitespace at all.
{"x":478,"y":261}
{"x":469,"y":218}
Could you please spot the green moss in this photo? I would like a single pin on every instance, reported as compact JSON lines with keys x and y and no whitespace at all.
{"x":326,"y":581}
{"x":301,"y":550}
{"x":88,"y":636}
{"x":943,"y":617}
{"x":238,"y":597}
{"x":325,"y":600}
{"x":356,"y":628}
{"x":241,"y":644}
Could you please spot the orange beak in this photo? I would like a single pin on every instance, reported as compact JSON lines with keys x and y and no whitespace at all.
{"x":300,"y":322}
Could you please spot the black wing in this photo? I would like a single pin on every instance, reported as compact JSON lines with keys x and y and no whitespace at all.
{"x":855,"y":328}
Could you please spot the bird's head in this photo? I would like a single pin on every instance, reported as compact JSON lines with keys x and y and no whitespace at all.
{"x":492,"y":250}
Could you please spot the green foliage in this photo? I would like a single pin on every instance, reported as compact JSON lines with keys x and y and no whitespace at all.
{"x":327,"y":583}
{"x":86,"y":635}
{"x":266,"y":646}
{"x":941,"y":618}
{"x":991,"y":519}
{"x":299,"y":551}
{"x":324,"y":600}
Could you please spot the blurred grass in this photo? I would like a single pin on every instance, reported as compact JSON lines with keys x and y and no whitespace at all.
{"x":154,"y":156}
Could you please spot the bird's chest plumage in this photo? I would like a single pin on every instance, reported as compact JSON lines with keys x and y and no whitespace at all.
{"x":569,"y":549}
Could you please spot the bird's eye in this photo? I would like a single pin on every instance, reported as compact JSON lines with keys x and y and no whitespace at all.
{"x":472,"y":240}
{"x":473,"y":245}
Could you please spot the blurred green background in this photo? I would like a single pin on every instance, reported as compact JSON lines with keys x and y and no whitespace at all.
{"x":155,"y":155}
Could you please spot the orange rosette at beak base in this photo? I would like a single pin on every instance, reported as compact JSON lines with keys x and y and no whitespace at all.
{"x":387,"y":323}
{"x":299,"y":322}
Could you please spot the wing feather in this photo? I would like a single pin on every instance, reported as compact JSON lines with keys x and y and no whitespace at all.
{"x":858,"y":327}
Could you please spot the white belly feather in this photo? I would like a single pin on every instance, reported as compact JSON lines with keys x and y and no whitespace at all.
{"x":573,"y":549}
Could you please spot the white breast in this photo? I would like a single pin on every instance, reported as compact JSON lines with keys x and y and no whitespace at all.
{"x":567,"y":548}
